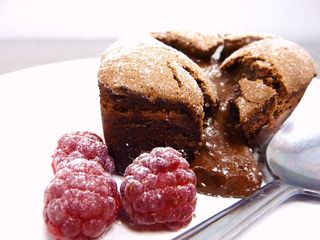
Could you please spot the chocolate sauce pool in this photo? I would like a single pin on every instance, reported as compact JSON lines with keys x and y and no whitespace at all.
{"x":226,"y":165}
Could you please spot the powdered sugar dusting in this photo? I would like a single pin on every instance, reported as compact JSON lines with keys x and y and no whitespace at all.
{"x":149,"y":68}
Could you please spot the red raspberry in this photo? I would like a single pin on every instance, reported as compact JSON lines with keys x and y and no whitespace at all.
{"x":159,"y":189}
{"x":81,"y":202}
{"x":81,"y":145}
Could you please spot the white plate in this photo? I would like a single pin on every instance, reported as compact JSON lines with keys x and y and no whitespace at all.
{"x":38,"y":105}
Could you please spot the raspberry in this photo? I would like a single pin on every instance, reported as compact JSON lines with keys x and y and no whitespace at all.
{"x":81,"y":145}
{"x":81,"y":201}
{"x":159,"y":189}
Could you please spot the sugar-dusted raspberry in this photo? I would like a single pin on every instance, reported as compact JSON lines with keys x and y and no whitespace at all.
{"x":159,"y":189}
{"x":85,"y":145}
{"x":81,"y":201}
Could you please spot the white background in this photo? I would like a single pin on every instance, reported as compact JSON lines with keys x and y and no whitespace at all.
{"x":297,"y":20}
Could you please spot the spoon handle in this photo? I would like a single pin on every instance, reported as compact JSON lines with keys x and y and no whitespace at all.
{"x":231,"y":221}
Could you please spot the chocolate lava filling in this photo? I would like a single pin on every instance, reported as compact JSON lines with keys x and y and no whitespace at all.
{"x":226,"y":165}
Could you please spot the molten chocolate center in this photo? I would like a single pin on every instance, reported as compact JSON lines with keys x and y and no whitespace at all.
{"x":226,"y":165}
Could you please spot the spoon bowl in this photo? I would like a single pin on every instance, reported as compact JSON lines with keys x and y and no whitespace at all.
{"x":293,"y":154}
{"x":292,"y":158}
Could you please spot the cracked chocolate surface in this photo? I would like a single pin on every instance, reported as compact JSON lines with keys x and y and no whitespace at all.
{"x":235,"y":41}
{"x":192,"y":43}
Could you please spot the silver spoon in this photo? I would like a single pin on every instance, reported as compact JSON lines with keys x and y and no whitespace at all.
{"x":293,"y":158}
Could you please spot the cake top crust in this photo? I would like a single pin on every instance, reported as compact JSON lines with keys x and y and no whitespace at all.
{"x":234,"y":41}
{"x":146,"y":67}
{"x":192,"y":43}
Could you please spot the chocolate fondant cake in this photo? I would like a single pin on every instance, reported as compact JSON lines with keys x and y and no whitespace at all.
{"x":152,"y":95}
{"x":166,"y":90}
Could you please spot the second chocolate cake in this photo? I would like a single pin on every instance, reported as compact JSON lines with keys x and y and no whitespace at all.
{"x":172,"y":92}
